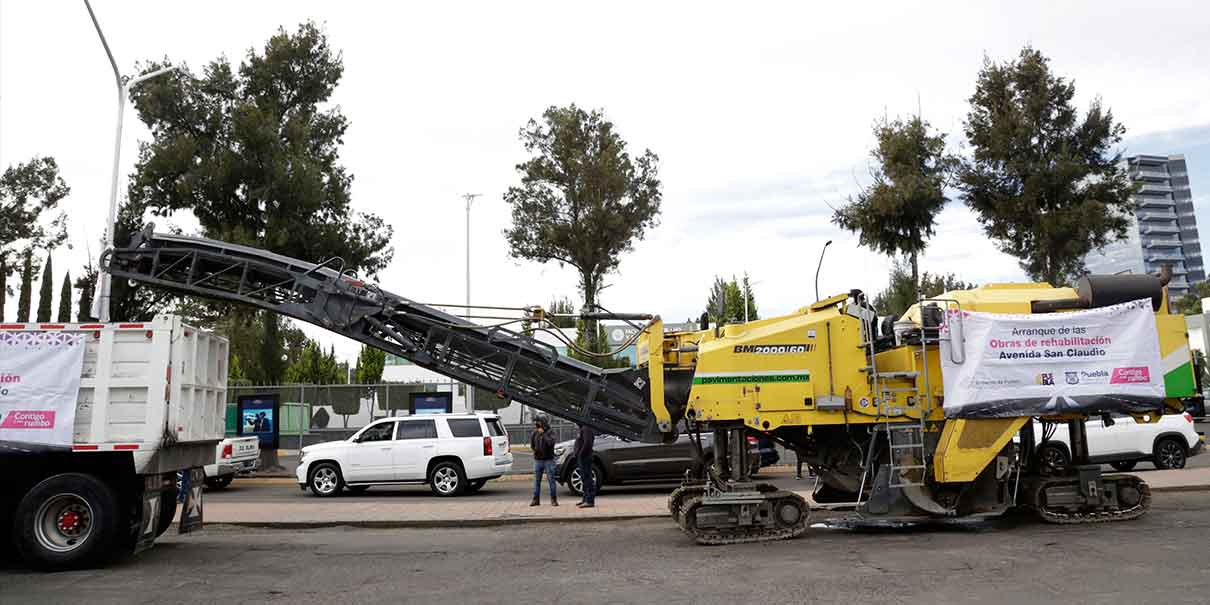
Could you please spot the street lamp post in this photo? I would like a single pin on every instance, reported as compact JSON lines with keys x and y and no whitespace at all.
{"x":469,"y":197}
{"x":100,"y":308}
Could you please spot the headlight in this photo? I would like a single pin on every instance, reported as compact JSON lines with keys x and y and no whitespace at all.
{"x":559,"y":451}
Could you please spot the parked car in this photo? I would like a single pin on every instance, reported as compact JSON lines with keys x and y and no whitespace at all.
{"x":1167,"y":443}
{"x":453,"y":453}
{"x":232,"y":456}
{"x":617,"y":461}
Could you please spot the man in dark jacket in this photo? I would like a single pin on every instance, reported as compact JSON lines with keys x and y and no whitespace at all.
{"x":583,"y":454}
{"x":542,"y":443}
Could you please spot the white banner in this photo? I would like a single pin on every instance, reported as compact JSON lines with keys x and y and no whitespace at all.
{"x":39,"y":383}
{"x":1098,"y":360}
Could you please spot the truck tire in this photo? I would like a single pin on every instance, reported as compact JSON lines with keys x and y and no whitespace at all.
{"x":67,"y":521}
{"x":167,"y":513}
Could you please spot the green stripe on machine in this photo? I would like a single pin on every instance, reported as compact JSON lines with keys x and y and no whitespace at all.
{"x":739,"y":378}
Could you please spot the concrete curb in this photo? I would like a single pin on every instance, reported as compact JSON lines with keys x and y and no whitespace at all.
{"x":432,"y":523}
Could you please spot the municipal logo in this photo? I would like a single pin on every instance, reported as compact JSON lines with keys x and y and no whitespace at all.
{"x":1046,"y":379}
{"x":1073,"y":377}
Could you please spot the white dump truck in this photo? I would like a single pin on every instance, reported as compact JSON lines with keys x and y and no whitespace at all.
{"x":96,"y":422}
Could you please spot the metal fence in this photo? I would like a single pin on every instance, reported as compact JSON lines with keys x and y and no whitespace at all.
{"x":317,"y":413}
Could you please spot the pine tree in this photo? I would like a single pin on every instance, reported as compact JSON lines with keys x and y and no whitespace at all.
{"x":46,"y":292}
{"x":65,"y":300}
{"x":27,"y":288}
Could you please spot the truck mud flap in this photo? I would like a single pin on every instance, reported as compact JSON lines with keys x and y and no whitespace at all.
{"x":153,"y":496}
{"x":191,"y":508}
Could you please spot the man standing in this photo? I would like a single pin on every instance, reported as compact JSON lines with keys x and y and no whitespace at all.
{"x":542,"y":443}
{"x":583,"y":454}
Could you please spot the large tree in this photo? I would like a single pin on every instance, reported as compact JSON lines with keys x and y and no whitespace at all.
{"x":370,"y":363}
{"x":1045,"y":182}
{"x":253,"y":153}
{"x":582,"y":200}
{"x":29,"y":197}
{"x":897,"y":212}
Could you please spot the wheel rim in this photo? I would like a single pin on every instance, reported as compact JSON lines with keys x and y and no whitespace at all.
{"x":1052,"y":458}
{"x":577,"y":482}
{"x":324,"y":480}
{"x":788,"y":513}
{"x":445,"y":479}
{"x":64,"y":523}
{"x":1171,"y":454}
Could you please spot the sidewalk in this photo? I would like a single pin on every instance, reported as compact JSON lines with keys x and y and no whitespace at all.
{"x":476,"y":511}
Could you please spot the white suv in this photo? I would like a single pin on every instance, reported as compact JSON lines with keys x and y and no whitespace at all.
{"x":453,"y":453}
{"x":1166,"y":443}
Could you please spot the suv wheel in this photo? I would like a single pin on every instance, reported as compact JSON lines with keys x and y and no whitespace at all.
{"x":1052,"y":458}
{"x":446,"y":479}
{"x":325,"y":480}
{"x":1169,"y":454}
{"x":575,"y":484}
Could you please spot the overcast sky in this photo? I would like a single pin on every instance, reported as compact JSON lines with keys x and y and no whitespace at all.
{"x":761,"y":117}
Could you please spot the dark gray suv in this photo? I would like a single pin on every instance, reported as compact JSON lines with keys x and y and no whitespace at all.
{"x":616,"y":461}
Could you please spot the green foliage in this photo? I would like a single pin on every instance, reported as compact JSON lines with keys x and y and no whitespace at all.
{"x":235,"y":372}
{"x":901,"y":292}
{"x":726,"y":301}
{"x":29,"y":195}
{"x":86,"y":284}
{"x":65,"y":299}
{"x":370,"y":363}
{"x":254,"y":153}
{"x":27,"y":288}
{"x":582,"y":200}
{"x":313,"y":366}
{"x":562,"y":306}
{"x":1191,"y":302}
{"x":897,"y":213}
{"x":1044,"y":183}
{"x":46,"y":291}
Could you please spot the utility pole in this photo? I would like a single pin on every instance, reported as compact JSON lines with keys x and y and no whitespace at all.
{"x":469,"y":197}
{"x":100,"y":308}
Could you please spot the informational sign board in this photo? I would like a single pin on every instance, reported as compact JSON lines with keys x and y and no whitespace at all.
{"x":430,"y":403}
{"x":1091,"y":361}
{"x":258,"y":415}
{"x":39,"y":385}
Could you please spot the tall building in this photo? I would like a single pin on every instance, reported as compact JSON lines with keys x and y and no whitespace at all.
{"x":1164,"y":230}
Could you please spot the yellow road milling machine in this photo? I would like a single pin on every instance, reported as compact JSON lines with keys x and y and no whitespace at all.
{"x":932,"y":415}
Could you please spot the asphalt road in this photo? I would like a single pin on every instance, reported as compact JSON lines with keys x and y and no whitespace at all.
{"x":1156,"y":559}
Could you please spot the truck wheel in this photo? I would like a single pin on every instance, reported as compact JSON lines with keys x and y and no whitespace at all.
{"x":325,"y":480}
{"x":447,"y":479}
{"x":67,"y":521}
{"x":167,"y":513}
{"x":1052,"y":458}
{"x":219,"y":482}
{"x":1169,"y":454}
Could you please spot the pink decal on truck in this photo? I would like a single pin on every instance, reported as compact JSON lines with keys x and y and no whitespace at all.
{"x":1133,"y":375}
{"x":29,"y":419}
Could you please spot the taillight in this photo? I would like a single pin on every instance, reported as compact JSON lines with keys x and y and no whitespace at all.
{"x":1188,"y":417}
{"x":487,"y":446}
{"x":227,"y":450}
{"x":751,"y":440}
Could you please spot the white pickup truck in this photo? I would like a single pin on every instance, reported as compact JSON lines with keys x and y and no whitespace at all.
{"x":233,"y":456}
{"x":151,"y":402}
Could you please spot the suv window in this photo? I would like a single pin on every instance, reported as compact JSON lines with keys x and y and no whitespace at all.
{"x":465,"y":427}
{"x":417,"y":429}
{"x":378,"y":432}
{"x":493,"y":427}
